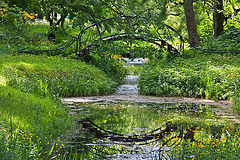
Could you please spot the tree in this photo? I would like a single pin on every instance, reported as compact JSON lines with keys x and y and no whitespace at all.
{"x":191,"y":24}
{"x":218,"y":18}
{"x":221,"y":12}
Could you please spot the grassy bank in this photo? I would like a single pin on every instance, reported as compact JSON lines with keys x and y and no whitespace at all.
{"x":225,"y":145}
{"x":30,"y":125}
{"x":211,"y":76}
{"x":54,"y":76}
{"x":33,"y":120}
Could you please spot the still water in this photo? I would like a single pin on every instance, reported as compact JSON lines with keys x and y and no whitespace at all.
{"x":124,"y":130}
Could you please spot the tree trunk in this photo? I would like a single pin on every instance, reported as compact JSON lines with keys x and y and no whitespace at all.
{"x":218,"y":18}
{"x":61,"y":21}
{"x":191,"y":25}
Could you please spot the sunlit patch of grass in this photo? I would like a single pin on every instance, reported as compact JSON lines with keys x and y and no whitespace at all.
{"x":3,"y":80}
{"x":25,"y":67}
{"x":54,"y":75}
{"x":26,"y":110}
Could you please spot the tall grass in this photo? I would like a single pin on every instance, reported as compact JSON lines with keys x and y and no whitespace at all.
{"x":30,"y":124}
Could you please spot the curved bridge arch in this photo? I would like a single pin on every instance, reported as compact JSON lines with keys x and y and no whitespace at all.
{"x":121,"y":36}
{"x":165,"y":36}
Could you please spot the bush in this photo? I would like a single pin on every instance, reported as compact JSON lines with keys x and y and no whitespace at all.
{"x":13,"y":26}
{"x":111,"y":64}
{"x":229,"y":41}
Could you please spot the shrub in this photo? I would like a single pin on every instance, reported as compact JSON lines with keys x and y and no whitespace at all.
{"x":228,"y":41}
{"x":13,"y":26}
{"x":111,"y":64}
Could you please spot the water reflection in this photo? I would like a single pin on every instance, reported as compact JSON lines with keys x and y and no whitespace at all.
{"x":139,"y":130}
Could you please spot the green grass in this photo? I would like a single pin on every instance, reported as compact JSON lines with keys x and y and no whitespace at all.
{"x":205,"y":146}
{"x":54,"y":76}
{"x":29,"y":124}
{"x":211,"y":76}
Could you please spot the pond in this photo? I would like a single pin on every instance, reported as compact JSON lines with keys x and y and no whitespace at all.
{"x":130,"y":130}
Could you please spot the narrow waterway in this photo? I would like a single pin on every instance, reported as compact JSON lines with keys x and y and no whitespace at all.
{"x":130,"y":87}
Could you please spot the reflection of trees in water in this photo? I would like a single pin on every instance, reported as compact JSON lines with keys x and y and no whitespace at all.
{"x":104,"y":142}
{"x":107,"y":142}
{"x":103,"y":133}
{"x":99,"y":132}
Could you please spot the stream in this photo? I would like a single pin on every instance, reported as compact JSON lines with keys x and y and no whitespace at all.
{"x":130,"y":87}
{"x":128,"y":126}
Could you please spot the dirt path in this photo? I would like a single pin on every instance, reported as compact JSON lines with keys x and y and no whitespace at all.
{"x":144,"y":99}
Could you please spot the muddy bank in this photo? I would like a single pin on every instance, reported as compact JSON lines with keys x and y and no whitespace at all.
{"x":145,"y":99}
{"x":224,"y":109}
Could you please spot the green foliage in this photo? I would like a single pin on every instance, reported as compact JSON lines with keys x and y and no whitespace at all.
{"x":32,"y":115}
{"x":236,"y":97}
{"x":208,"y":76}
{"x":223,"y":146}
{"x":13,"y":24}
{"x":228,"y":41}
{"x":18,"y":32}
{"x":111,"y":64}
{"x":135,"y":69}
{"x":205,"y":30}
